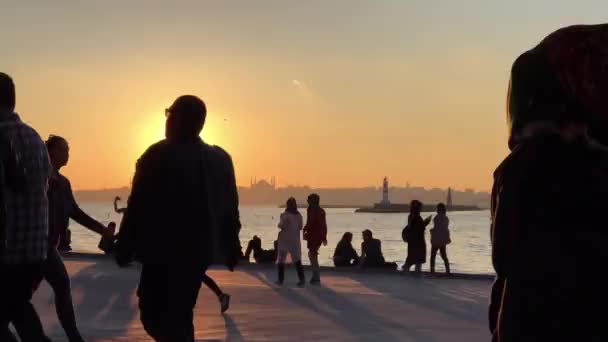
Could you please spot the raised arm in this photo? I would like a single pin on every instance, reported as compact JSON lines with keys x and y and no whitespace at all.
{"x":116,"y":208}
{"x":427,"y":221}
{"x":83,"y":218}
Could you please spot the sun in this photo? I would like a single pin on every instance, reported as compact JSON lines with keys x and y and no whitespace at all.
{"x":152,"y":130}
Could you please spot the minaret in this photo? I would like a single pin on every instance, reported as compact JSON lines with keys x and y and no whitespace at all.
{"x":449,"y":199}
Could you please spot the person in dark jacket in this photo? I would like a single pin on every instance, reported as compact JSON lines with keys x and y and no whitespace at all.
{"x":371,"y":252}
{"x":26,"y":224}
{"x":545,"y":249}
{"x":182,"y":216}
{"x":11,"y":175}
{"x":315,"y":234}
{"x":62,"y":208}
{"x":108,"y":245}
{"x":416,"y":243}
{"x":440,"y":238}
{"x":345,"y":255}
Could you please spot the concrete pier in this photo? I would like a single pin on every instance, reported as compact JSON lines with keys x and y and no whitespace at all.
{"x":349,"y":306}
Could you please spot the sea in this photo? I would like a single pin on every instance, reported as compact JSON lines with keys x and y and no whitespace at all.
{"x":469,"y":252}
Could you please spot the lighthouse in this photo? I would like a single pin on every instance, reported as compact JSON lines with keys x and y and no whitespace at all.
{"x":385,"y":201}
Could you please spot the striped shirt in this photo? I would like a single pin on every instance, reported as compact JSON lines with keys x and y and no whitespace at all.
{"x":27,"y":209}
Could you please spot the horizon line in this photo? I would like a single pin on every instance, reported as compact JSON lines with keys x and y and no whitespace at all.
{"x":320,"y":188}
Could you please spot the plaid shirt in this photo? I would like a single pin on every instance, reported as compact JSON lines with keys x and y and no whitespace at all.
{"x":27,"y":211}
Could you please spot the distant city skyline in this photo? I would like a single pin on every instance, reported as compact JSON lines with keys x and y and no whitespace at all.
{"x":273,"y":181}
{"x":264,"y":193}
{"x":326,"y":93}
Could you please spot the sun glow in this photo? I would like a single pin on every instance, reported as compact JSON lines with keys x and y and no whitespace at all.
{"x":152,"y":129}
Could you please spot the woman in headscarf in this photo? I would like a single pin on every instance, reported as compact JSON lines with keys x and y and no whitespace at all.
{"x":290,"y":226}
{"x":548,"y":240}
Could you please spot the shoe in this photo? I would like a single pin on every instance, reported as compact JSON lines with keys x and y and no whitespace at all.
{"x":278,"y":283}
{"x":225,"y":302}
{"x":301,"y":283}
{"x":315,"y":281}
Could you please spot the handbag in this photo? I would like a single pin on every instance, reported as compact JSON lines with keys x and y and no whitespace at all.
{"x":405,"y":233}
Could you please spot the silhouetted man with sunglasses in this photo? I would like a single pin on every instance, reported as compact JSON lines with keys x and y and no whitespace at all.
{"x":182,"y":216}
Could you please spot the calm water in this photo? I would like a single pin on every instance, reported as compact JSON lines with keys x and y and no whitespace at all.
{"x":469,"y":252}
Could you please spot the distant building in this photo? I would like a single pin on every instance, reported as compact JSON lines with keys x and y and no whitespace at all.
{"x":267,"y":192}
{"x":263,"y":185}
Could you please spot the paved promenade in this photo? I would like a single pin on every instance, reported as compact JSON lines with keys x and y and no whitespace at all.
{"x":350,"y":306}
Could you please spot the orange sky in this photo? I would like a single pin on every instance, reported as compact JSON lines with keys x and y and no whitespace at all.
{"x":337,"y":93}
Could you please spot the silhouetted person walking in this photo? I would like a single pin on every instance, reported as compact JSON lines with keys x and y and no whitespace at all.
{"x":182,"y":216}
{"x":344,"y":254}
{"x":26,"y":221}
{"x":440,"y":237}
{"x":222,"y":297}
{"x":11,"y":175}
{"x":62,"y":208}
{"x":548,"y":241}
{"x":315,"y":234}
{"x":290,"y":226}
{"x":416,"y":244}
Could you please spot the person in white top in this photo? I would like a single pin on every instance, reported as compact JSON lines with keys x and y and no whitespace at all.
{"x":440,"y":237}
{"x":290,"y":225}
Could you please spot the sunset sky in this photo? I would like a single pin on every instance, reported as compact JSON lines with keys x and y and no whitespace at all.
{"x":317,"y":92}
